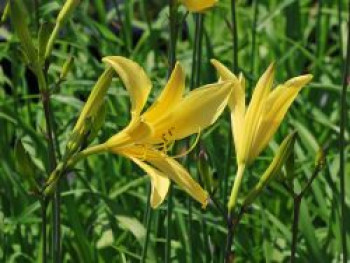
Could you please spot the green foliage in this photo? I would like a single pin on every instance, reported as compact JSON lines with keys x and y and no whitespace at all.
{"x":104,"y":200}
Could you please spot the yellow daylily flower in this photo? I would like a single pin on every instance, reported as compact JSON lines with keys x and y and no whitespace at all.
{"x":198,"y":5}
{"x":254,"y":126}
{"x":171,"y":117}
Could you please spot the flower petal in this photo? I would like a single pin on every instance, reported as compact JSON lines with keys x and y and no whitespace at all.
{"x":135,"y":132}
{"x":159,"y":182}
{"x":198,"y":5}
{"x":236,"y":102}
{"x":277,"y":105}
{"x":179,"y":175}
{"x":170,"y":168}
{"x":195,"y":112}
{"x":254,"y":114}
{"x":135,"y":80}
{"x":170,"y":96}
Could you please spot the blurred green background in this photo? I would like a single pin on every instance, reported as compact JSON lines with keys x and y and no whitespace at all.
{"x":104,"y":199}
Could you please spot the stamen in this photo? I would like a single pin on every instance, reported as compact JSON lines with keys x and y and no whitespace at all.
{"x":191,"y":148}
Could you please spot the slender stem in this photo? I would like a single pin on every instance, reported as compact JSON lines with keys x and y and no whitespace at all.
{"x":339,"y":5}
{"x":121,"y":25}
{"x":43,"y":229}
{"x":235,"y":189}
{"x":234,"y":36}
{"x":168,"y":229}
{"x":232,"y":224}
{"x":297,"y":202}
{"x":148,"y":218}
{"x":56,"y":235}
{"x":252,"y":55}
{"x":172,"y":60}
{"x":195,"y":79}
{"x":342,"y":142}
{"x":173,"y":35}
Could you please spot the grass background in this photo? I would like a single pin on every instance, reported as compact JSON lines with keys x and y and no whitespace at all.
{"x":104,"y":200}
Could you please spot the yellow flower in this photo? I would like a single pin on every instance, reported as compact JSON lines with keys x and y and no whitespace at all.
{"x":171,"y":117}
{"x":198,"y":5}
{"x":254,"y":126}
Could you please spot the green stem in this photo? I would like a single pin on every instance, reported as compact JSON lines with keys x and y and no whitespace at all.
{"x":297,"y":202}
{"x":43,"y":229}
{"x":148,"y":226}
{"x":236,"y":187}
{"x":252,"y":55}
{"x":343,"y":122}
{"x":168,"y":229}
{"x":56,"y":235}
{"x":172,"y":60}
{"x":234,"y":36}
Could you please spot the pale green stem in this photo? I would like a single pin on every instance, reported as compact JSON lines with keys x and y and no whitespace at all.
{"x":236,"y":186}
{"x":52,"y":39}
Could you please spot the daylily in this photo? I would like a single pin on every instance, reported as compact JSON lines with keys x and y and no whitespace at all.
{"x":171,"y":117}
{"x":198,"y":5}
{"x":254,"y":126}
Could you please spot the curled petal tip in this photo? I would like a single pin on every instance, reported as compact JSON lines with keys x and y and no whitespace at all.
{"x":300,"y":81}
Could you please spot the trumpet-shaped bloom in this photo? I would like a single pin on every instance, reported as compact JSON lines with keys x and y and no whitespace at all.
{"x":198,"y":5}
{"x":254,"y":126}
{"x":171,"y":117}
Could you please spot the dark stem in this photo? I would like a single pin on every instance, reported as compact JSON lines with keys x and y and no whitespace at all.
{"x":43,"y":229}
{"x":232,"y":224}
{"x":168,"y":229}
{"x":342,"y":143}
{"x":36,"y":13}
{"x":121,"y":25}
{"x":148,"y":218}
{"x":234,"y":36}
{"x":229,"y":240}
{"x":56,"y":234}
{"x":297,"y":202}
{"x":252,"y":55}
{"x":172,"y":60}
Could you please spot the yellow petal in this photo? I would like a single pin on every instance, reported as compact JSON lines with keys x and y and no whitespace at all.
{"x":135,"y":80}
{"x":135,"y":132}
{"x":277,"y":105}
{"x":180,"y":176}
{"x":198,"y":5}
{"x":171,"y":169}
{"x":237,"y":106}
{"x":170,"y":96}
{"x":159,"y":182}
{"x":236,"y":102}
{"x":254,"y":114}
{"x":195,"y":112}
{"x":223,"y":71}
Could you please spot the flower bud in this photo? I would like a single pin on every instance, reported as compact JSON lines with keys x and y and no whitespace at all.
{"x":91,"y":117}
{"x":283,"y":153}
{"x":66,"y":67}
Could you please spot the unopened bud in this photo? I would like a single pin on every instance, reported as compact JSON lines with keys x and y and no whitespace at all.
{"x":284,"y":151}
{"x":66,"y":67}
{"x":91,"y":117}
